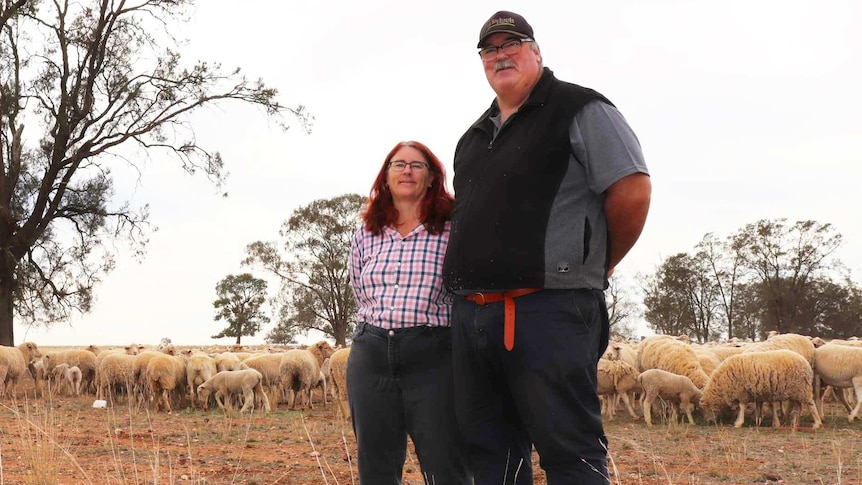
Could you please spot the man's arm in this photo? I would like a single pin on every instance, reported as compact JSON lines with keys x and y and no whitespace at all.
{"x":626,"y":206}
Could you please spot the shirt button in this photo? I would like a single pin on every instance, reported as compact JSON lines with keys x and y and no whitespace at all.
{"x":392,"y":308}
{"x":392,"y":333}
{"x":396,"y":287}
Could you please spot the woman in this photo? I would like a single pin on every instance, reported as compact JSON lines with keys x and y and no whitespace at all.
{"x":399,"y":373}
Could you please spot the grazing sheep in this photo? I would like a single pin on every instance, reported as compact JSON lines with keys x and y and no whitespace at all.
{"x":707,"y":358}
{"x":72,"y":376}
{"x":839,"y":366}
{"x":754,"y":377}
{"x":675,"y":389}
{"x":726,"y":350}
{"x":324,"y":377}
{"x":14,"y":362}
{"x":338,"y":371}
{"x":225,"y":384}
{"x":300,"y":370}
{"x":672,"y":355}
{"x":616,"y":378}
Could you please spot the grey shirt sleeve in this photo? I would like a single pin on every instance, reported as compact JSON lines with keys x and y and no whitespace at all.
{"x":605,"y":145}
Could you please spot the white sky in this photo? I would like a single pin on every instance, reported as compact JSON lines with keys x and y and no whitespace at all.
{"x":745,"y":110}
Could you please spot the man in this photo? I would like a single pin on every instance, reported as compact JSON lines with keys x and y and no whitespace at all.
{"x":551,"y":192}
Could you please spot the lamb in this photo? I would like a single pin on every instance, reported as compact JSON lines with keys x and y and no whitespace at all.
{"x":768,"y":376}
{"x":338,"y":371}
{"x":14,"y":362}
{"x":72,"y":376}
{"x":676,"y":389}
{"x":616,"y":378}
{"x":839,"y":366}
{"x":671,"y":355}
{"x":324,"y":376}
{"x":300,"y":369}
{"x":622,"y":351}
{"x":225,"y":384}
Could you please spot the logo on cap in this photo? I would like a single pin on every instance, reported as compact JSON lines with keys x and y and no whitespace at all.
{"x":501,"y":20}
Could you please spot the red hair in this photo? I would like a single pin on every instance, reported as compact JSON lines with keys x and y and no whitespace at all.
{"x":436,"y":207}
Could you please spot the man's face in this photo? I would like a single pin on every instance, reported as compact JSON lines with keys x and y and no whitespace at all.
{"x":515,"y":73}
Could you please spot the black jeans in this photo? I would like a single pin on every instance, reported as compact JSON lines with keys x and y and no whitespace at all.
{"x":541,"y":393}
{"x":399,"y":382}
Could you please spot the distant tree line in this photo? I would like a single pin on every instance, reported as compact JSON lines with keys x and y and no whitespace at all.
{"x":768,"y":275}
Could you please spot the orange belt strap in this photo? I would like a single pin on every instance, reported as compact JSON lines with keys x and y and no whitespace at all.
{"x":508,"y":298}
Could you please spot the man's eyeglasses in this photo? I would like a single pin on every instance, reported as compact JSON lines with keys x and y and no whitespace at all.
{"x":400,"y":165}
{"x":510,"y":47}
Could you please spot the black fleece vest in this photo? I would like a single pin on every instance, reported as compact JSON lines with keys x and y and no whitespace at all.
{"x":505,"y":187}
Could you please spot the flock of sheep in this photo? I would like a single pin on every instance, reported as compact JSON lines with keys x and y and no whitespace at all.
{"x":165,"y":379}
{"x":785,"y":372}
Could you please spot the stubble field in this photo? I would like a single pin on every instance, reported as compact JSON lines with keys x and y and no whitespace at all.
{"x":64,"y":440}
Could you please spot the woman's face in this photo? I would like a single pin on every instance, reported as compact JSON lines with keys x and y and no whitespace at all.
{"x":411,"y":183}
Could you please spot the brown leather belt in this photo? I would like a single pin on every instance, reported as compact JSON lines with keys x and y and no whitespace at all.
{"x":508,"y":297}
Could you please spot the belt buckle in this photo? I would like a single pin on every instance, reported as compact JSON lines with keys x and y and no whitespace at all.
{"x":483,"y":299}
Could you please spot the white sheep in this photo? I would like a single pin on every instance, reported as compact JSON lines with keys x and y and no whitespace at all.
{"x":269,"y":366}
{"x":616,"y":378}
{"x":165,"y":376}
{"x":14,"y":362}
{"x":114,"y":371}
{"x":754,"y":377}
{"x":840,"y":366}
{"x":71,"y":375}
{"x":200,"y":367}
{"x":225,"y":384}
{"x":672,"y":355}
{"x":338,"y":371}
{"x":83,"y":359}
{"x":672,"y":388}
{"x":800,"y":344}
{"x":300,"y":370}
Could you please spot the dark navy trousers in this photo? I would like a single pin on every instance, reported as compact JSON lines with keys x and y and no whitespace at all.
{"x":541,"y":393}
{"x":399,"y":383}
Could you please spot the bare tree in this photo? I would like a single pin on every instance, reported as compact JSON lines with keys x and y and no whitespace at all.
{"x":90,"y":81}
{"x":622,"y":309}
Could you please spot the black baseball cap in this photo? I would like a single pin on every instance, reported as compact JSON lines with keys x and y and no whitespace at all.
{"x":508,"y":22}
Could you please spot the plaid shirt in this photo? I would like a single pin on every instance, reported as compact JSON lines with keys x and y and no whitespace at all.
{"x":398,"y":281}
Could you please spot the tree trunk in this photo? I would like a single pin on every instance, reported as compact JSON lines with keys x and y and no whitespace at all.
{"x":7,"y":306}
{"x":340,"y":333}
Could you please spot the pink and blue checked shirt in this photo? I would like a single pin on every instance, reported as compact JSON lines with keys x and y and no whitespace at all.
{"x":398,"y":281}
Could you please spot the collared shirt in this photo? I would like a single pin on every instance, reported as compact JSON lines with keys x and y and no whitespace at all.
{"x":398,"y":280}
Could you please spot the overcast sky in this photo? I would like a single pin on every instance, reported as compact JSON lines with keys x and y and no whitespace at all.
{"x":745,"y":110}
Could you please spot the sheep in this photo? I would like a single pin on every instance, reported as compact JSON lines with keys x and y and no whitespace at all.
{"x":165,"y":374}
{"x":324,"y":376}
{"x":676,"y":389}
{"x":14,"y":362}
{"x":71,"y":375}
{"x":707,"y":358}
{"x":790,"y":341}
{"x":199,"y":368}
{"x":225,"y":384}
{"x":300,"y":369}
{"x":84,"y":359}
{"x":671,"y":355}
{"x":115,"y":369}
{"x":616,"y":378}
{"x":228,"y":361}
{"x":338,"y":371}
{"x":839,"y":366}
{"x":768,"y":376}
{"x":726,"y":350}
{"x":622,"y":351}
{"x":269,"y":365}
